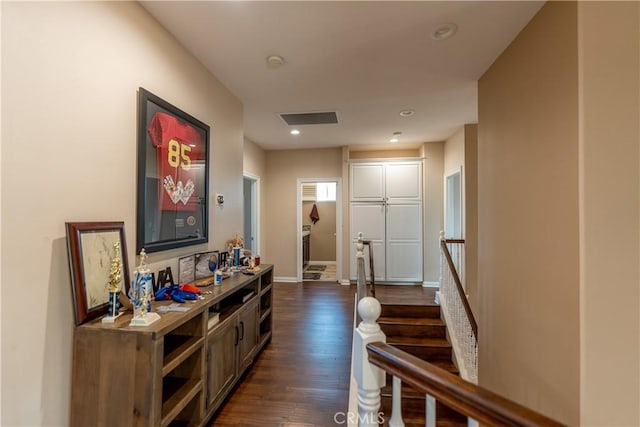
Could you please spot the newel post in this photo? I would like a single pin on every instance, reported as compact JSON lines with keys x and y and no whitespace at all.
{"x":370,"y":378}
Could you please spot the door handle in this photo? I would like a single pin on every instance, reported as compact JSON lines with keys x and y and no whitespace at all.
{"x":237,"y":338}
{"x":242,"y":330}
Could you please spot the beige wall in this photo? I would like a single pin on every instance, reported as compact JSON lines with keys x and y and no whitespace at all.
{"x":255,"y":163}
{"x":283,"y":170}
{"x":609,"y":57}
{"x":384,"y":154}
{"x":70,"y":73}
{"x":433,"y":208}
{"x":323,"y":233}
{"x":454,"y":152}
{"x":460,"y":151}
{"x":471,"y":213}
{"x":528,"y":238}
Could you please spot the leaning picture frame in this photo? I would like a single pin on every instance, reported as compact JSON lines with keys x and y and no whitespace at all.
{"x":173,"y":176}
{"x":91,"y":250}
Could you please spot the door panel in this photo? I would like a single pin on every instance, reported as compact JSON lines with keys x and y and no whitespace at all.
{"x":404,"y":242}
{"x":403,"y":222}
{"x":221,"y":360}
{"x":403,"y":181}
{"x":367,"y":182}
{"x":378,"y":261}
{"x":367,"y":218}
{"x":247,"y":322}
{"x":404,"y":261}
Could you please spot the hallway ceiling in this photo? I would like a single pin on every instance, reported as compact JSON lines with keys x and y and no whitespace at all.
{"x":367,"y":61}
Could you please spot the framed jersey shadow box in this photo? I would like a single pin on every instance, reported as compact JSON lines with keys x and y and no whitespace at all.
{"x":173,"y":176}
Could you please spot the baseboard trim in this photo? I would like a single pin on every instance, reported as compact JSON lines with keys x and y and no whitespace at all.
{"x":345,"y":282}
{"x":426,"y":284}
{"x":284,"y":279}
{"x":322,"y":263}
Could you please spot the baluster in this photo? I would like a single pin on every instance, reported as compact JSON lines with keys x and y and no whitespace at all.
{"x":442,"y":261}
{"x":396,"y":407}
{"x":370,"y":378}
{"x":361,"y":283}
{"x":430,"y":411}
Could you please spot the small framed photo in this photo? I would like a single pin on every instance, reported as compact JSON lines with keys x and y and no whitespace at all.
{"x":92,"y":247}
{"x":206,"y":264}
{"x":186,"y":269}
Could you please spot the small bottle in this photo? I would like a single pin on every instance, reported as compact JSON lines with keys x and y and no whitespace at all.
{"x":218,"y":277}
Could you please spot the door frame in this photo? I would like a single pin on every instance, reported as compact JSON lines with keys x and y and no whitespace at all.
{"x":255,"y":212}
{"x":299,"y":183}
{"x":448,"y":215}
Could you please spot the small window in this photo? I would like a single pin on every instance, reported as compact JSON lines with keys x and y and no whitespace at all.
{"x":326,"y":192}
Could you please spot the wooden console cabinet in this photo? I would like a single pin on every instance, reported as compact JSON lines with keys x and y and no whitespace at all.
{"x":176,"y":371}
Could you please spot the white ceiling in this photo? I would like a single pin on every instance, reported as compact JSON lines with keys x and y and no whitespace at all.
{"x":366,"y":60}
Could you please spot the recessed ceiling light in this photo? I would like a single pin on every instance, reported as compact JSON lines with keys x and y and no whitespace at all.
{"x":294,"y":132}
{"x":395,"y":138}
{"x":444,"y":31}
{"x":407,"y":113}
{"x":275,"y":61}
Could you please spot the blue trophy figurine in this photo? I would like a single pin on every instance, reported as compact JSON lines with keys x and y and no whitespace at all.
{"x":140,"y":293}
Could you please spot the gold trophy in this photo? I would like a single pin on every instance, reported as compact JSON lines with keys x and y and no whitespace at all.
{"x":115,"y":276}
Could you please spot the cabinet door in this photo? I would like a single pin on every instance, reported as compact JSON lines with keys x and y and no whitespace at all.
{"x":378,"y":261}
{"x":367,"y":182}
{"x":248,"y":326}
{"x":404,"y":242}
{"x":221,"y":360}
{"x":368,"y":218}
{"x":403,"y":181}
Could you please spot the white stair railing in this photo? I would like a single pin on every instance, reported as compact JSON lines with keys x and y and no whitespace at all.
{"x":457,"y":313}
{"x":370,"y":379}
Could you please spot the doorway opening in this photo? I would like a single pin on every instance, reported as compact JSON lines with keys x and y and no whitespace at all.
{"x":251,"y":222}
{"x":319,"y":217}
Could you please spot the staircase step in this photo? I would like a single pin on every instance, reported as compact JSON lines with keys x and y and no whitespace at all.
{"x":425,"y":348}
{"x":413,"y":327}
{"x":407,"y":310}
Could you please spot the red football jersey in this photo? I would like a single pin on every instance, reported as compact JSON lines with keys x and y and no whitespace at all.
{"x":179,"y":148}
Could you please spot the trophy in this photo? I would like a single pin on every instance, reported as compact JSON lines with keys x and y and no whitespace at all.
{"x":113,"y":286}
{"x":140,"y":293}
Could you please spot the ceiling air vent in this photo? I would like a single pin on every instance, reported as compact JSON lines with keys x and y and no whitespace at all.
{"x":295,"y":119}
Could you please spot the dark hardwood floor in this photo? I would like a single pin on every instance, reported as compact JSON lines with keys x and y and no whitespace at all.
{"x":302,"y":377}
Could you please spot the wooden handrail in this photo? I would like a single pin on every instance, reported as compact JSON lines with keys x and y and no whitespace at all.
{"x":456,"y":279}
{"x":453,"y":240}
{"x":467,"y":398}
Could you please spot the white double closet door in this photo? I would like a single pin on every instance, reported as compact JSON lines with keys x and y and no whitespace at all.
{"x":386,"y":207}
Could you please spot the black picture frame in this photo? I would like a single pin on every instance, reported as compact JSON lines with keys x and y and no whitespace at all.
{"x":90,"y":250}
{"x":173,"y":176}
